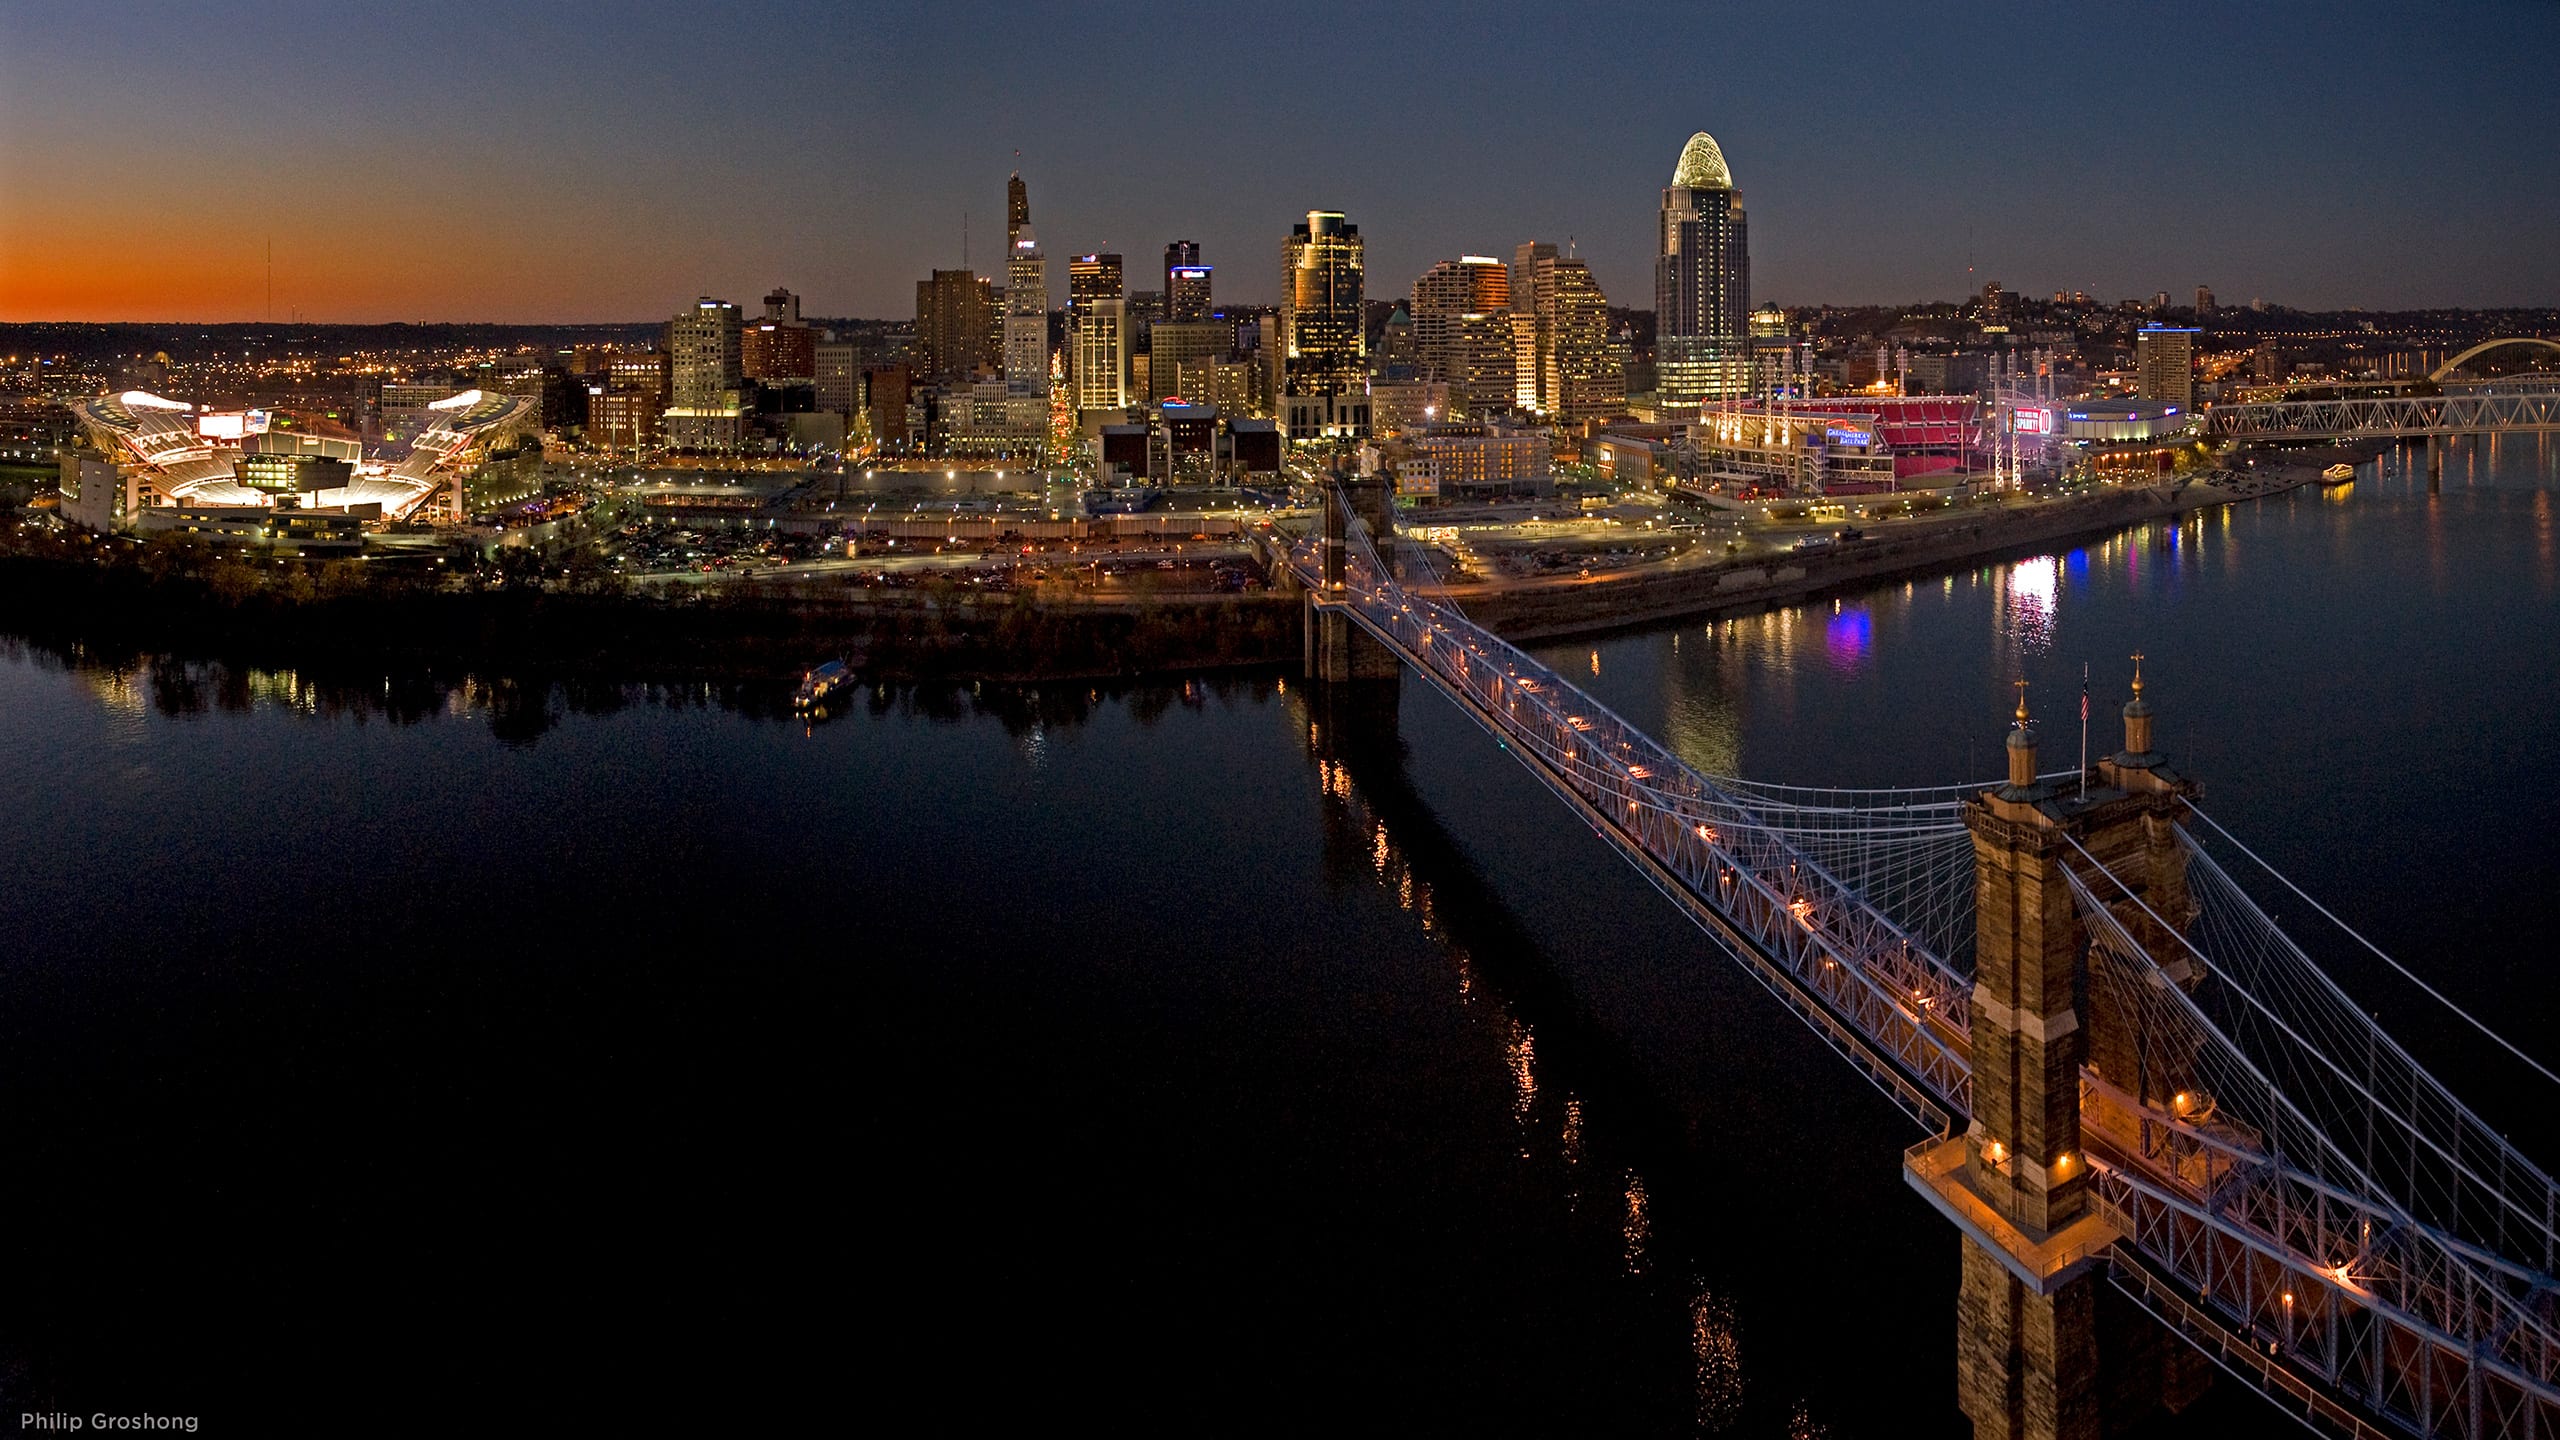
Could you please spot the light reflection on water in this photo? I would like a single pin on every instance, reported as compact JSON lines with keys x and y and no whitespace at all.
{"x":1848,"y":637}
{"x":2035,"y":617}
{"x":2028,"y":592}
{"x":1719,"y":1357}
{"x":1637,"y":1226}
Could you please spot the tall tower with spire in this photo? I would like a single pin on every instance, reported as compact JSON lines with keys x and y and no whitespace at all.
{"x":1701,"y":281}
{"x":1026,"y":318}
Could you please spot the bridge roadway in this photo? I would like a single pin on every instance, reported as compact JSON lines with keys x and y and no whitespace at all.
{"x":2338,"y":1303}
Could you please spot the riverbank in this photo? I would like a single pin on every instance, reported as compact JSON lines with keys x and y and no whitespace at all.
{"x":348,"y":616}
{"x":1577,"y":605}
{"x":729,"y":634}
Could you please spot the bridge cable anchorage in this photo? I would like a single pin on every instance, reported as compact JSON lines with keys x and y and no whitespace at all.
{"x":2404,"y":971}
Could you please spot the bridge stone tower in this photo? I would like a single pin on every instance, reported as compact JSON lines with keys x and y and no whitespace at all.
{"x":1336,"y":647}
{"x":2031,"y":1311}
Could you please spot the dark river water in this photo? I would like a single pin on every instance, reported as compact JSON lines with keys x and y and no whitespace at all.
{"x":1194,"y":1057}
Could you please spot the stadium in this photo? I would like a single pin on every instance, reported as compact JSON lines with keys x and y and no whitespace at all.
{"x":176,"y":454}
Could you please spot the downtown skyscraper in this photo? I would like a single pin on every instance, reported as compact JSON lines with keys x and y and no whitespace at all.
{"x":705,"y":377}
{"x":1323,"y":380}
{"x":1026,"y":318}
{"x":1186,"y":282}
{"x":1701,"y":282}
{"x":1462,"y":326}
{"x":1567,"y":369}
{"x":956,"y":325}
{"x":1097,"y":332}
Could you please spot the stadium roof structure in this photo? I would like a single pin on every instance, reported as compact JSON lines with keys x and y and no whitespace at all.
{"x":189,"y":465}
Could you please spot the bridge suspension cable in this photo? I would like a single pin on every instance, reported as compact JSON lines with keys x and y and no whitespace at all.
{"x":2397,"y":1128}
{"x":2228,"y":1185}
{"x":2403,"y":971}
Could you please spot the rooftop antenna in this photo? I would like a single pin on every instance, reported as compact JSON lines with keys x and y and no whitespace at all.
{"x":964,"y":239}
{"x":271,"y":279}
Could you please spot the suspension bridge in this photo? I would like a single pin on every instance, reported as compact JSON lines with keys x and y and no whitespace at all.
{"x":2125,"y":1074}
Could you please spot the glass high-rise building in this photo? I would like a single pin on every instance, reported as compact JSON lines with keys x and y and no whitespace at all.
{"x":1462,"y":327}
{"x":1701,"y":282}
{"x":1092,"y":280}
{"x":1567,"y":369}
{"x":1322,"y":330}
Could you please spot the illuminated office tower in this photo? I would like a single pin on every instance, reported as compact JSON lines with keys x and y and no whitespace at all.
{"x":1026,"y":334}
{"x":1179,"y":255}
{"x":779,"y":348}
{"x":1322,"y":334}
{"x":1092,"y":279}
{"x":1528,"y":334}
{"x":1567,"y":368}
{"x":1026,"y":302}
{"x":702,"y":352}
{"x":2165,"y":357}
{"x":1026,"y":317}
{"x":1186,"y":293}
{"x":1462,"y":332}
{"x":1101,"y":341}
{"x":1701,"y":281}
{"x":704,"y":376}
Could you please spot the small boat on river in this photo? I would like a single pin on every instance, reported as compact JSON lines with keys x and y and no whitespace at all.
{"x":820,"y":683}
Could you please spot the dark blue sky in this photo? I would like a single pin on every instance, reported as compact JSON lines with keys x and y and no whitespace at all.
{"x":608,"y":161}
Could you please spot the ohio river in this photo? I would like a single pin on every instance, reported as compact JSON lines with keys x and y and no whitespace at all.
{"x":1193,"y":1055}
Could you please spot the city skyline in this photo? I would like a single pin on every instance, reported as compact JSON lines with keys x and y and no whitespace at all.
{"x":534,"y":169}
